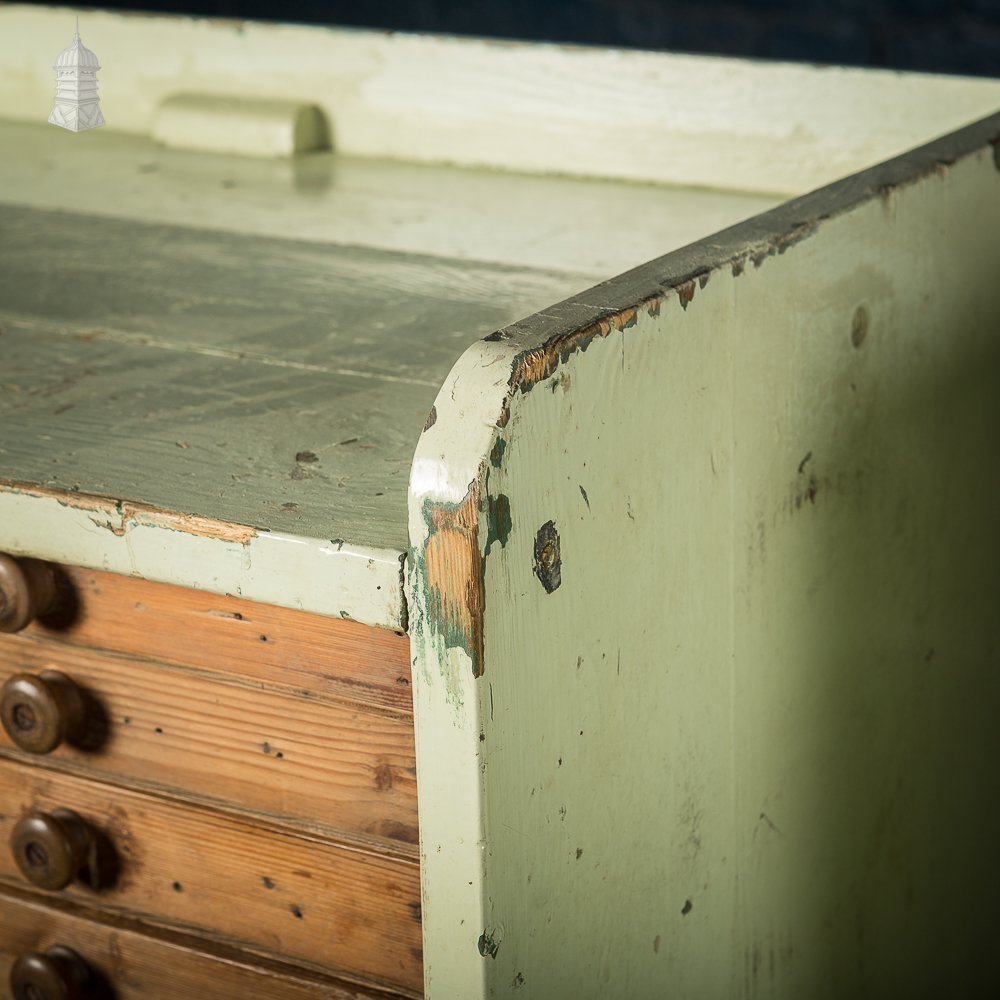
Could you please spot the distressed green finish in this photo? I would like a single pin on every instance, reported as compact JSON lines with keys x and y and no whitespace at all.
{"x":269,"y":383}
{"x":745,"y":746}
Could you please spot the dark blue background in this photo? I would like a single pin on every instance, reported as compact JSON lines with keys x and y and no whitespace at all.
{"x":949,"y":36}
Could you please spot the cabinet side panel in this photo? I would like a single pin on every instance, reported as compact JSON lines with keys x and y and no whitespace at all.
{"x":739,"y":682}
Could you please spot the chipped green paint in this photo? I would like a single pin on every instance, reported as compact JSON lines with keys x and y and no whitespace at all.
{"x":498,"y":522}
{"x":451,"y":566}
{"x":496,"y":453}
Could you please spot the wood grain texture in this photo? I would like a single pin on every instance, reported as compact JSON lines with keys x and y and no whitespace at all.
{"x":275,"y":384}
{"x":321,"y":764}
{"x":289,"y":896}
{"x":257,"y":644}
{"x":130,"y":965}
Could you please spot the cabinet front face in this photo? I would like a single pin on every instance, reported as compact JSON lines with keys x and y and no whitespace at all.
{"x":190,"y":764}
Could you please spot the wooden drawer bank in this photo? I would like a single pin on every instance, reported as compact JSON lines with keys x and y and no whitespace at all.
{"x":254,"y":770}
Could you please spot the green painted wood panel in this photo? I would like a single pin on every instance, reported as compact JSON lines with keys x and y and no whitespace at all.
{"x":188,"y":369}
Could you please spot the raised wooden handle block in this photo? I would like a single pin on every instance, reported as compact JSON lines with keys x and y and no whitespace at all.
{"x":52,"y":848}
{"x":27,"y":589}
{"x":250,"y":126}
{"x":59,"y":974}
{"x":39,"y":712}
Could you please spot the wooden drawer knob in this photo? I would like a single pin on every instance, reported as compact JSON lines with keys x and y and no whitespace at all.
{"x":59,"y":974}
{"x":52,"y":848}
{"x":27,"y":589}
{"x":41,"y":711}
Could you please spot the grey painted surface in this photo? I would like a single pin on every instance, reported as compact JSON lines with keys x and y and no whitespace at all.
{"x":187,"y":370}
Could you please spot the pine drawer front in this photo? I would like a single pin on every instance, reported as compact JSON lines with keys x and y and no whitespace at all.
{"x":272,"y":890}
{"x":129,"y":965}
{"x":279,"y":647}
{"x":335,"y":766}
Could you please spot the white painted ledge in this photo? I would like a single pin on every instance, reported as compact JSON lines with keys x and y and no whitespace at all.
{"x":317,"y":575}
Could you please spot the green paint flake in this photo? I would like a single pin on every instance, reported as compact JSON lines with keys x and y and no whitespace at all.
{"x":496,"y":454}
{"x":498,"y":522}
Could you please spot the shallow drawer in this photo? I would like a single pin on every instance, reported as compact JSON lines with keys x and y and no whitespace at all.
{"x":124,"y":964}
{"x":277,"y":646}
{"x":330,"y":764}
{"x":337,"y":909}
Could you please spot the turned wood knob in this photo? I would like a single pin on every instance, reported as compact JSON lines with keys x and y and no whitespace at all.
{"x":41,"y":711}
{"x":59,"y":974}
{"x":52,"y":848}
{"x":27,"y":589}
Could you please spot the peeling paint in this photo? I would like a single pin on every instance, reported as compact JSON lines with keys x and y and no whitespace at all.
{"x":496,"y":453}
{"x":738,"y":266}
{"x":537,"y":364}
{"x":498,"y":522}
{"x":488,"y":944}
{"x":548,"y":558}
{"x":685,"y":293}
{"x":118,"y":516}
{"x":452,"y":568}
{"x":431,"y":418}
{"x":781,"y":243}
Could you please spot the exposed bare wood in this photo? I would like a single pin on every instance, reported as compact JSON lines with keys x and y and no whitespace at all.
{"x":322,"y":763}
{"x":131,"y":965}
{"x":289,"y":896}
{"x":255,"y":643}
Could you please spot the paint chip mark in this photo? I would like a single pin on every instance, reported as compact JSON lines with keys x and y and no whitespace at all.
{"x":686,"y":908}
{"x":859,"y":326}
{"x":685,"y":293}
{"x":996,"y":152}
{"x":656,"y":945}
{"x":296,"y":911}
{"x":579,"y":853}
{"x":488,"y":945}
{"x":738,"y":266}
{"x":586,"y":499}
{"x":517,"y":982}
{"x":431,"y":418}
{"x":496,"y":452}
{"x":306,"y":457}
{"x":548,"y":559}
{"x":802,"y":464}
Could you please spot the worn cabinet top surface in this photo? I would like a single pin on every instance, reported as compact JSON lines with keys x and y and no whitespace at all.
{"x":214,"y":369}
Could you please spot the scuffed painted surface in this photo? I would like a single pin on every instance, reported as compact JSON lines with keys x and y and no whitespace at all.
{"x":329,"y":578}
{"x":451,"y":554}
{"x":704,"y":765}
